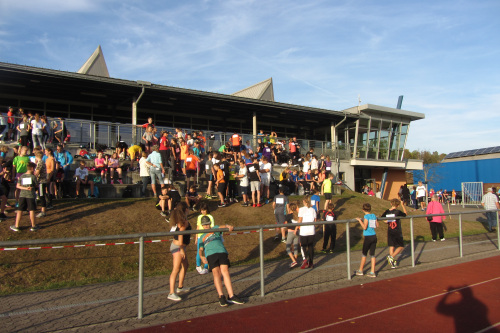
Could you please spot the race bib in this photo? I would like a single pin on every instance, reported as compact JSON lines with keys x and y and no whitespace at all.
{"x":21,"y":126}
{"x":173,"y":229}
{"x":222,"y":166}
{"x":329,"y":218}
{"x":372,"y":223}
{"x":26,"y":181}
{"x":390,"y":215}
{"x":328,"y":168}
{"x":280,"y":201}
{"x":207,"y":167}
{"x":313,"y":202}
{"x":189,"y":159}
{"x":251,"y":169}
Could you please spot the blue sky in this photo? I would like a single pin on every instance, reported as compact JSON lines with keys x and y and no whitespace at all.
{"x":443,"y":56}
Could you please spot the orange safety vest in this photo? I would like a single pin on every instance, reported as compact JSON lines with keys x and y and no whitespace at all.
{"x":235,"y":140}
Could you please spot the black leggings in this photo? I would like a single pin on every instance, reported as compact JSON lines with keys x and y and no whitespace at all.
{"x":307,"y":244}
{"x":436,"y":228}
{"x":330,"y":232}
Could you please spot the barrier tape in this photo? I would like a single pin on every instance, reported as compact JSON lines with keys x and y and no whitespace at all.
{"x":110,"y":244}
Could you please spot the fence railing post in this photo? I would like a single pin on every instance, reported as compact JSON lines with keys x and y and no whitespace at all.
{"x":460,"y":240}
{"x":348,"y":249}
{"x":412,"y":243}
{"x":498,"y":231}
{"x":141,"y":278}
{"x":261,"y":253}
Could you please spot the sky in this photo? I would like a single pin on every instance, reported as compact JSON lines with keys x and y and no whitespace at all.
{"x":442,"y":56}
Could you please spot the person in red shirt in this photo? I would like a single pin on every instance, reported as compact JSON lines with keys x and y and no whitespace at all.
{"x":191,"y":164}
{"x":11,"y":124}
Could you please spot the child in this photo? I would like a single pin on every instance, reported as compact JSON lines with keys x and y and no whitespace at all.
{"x":307,"y":214}
{"x":232,"y":184}
{"x":315,"y":199}
{"x":192,"y":197}
{"x":114,"y":164}
{"x":254,"y":177}
{"x":210,"y":176}
{"x":20,"y":164}
{"x":280,"y":207}
{"x":292,"y":238}
{"x":27,"y":187}
{"x":205,"y":211}
{"x":213,"y":252}
{"x":369,"y":223}
{"x":101,"y":164}
{"x":326,"y":190}
{"x":394,"y":231}
{"x":163,"y":201}
{"x":242,"y":177}
{"x":144,"y":173}
{"x":329,"y":230}
{"x":173,"y":198}
{"x":220,"y":184}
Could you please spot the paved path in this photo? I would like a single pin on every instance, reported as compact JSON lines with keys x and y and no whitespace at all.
{"x":112,"y":307}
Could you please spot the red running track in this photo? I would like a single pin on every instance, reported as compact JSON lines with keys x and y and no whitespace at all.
{"x":459,"y":298}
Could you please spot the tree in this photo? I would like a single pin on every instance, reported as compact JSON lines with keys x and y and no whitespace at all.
{"x":432,"y":163}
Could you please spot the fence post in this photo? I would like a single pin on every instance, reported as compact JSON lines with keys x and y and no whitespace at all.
{"x":460,"y":240}
{"x":141,"y":277}
{"x":498,"y":232}
{"x":412,"y":243}
{"x":348,"y":246}
{"x":261,"y":250}
{"x":93,"y":125}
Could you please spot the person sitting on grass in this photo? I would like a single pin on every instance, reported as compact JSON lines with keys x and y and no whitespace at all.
{"x":213,"y":252}
{"x":27,"y":187}
{"x":368,"y":223}
{"x":394,"y":231}
{"x":192,"y":198}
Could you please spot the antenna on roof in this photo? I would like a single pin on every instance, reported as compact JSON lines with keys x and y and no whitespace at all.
{"x":359,"y":101}
{"x":400,"y":101}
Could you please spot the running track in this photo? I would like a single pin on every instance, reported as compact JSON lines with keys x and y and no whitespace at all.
{"x":459,"y":298}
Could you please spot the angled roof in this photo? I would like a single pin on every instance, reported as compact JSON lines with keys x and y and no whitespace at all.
{"x":474,"y":152}
{"x":95,"y":65}
{"x":262,"y":90}
{"x":384,"y":112}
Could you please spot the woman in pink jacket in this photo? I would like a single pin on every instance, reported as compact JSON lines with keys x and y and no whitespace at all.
{"x":436,"y":222}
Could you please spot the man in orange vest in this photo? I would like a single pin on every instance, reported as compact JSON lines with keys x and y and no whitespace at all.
{"x":236,"y":143}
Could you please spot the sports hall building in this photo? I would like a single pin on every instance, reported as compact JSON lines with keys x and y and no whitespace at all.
{"x":365,"y":142}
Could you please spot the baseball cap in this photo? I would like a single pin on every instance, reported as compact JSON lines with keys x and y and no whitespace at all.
{"x":205,"y":220}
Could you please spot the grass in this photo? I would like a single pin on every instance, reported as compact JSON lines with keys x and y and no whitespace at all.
{"x":31,"y":270}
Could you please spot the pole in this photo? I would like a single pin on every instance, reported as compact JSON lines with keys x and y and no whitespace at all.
{"x":141,"y":277}
{"x":348,"y":250}
{"x":261,"y":250}
{"x":460,"y":240}
{"x":412,"y":243}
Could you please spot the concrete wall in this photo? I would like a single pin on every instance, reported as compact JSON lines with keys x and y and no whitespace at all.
{"x":395,"y":178}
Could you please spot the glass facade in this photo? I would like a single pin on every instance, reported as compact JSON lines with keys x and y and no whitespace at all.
{"x":375,"y":139}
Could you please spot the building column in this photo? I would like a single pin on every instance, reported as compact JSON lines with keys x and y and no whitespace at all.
{"x":134,"y":121}
{"x":254,"y":120}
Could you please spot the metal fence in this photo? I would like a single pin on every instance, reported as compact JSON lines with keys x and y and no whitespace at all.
{"x":472,"y":193}
{"x":260,"y":229}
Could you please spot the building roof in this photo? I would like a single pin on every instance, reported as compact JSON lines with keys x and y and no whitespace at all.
{"x":384,"y":112}
{"x":473,"y":152}
{"x":262,"y":90}
{"x":95,"y":64}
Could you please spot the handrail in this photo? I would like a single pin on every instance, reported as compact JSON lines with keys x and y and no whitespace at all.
{"x":260,"y":228}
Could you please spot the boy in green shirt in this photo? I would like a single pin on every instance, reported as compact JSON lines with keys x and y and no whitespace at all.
{"x":326,"y":190}
{"x":20,"y":164}
{"x":27,"y":187}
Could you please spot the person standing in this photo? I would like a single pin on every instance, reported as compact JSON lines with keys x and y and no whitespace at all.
{"x":421,"y":195}
{"x":307,"y":214}
{"x":394,"y":231}
{"x":436,"y":222}
{"x":490,"y":201}
{"x":369,"y":223}
{"x":156,"y":170}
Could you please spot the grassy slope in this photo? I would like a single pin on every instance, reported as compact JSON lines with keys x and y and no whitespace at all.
{"x":52,"y":268}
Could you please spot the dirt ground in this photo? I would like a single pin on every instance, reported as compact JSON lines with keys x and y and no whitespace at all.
{"x":51,"y":268}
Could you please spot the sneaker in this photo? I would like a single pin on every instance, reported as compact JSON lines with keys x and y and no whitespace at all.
{"x":112,"y":182}
{"x":35,"y":228}
{"x":283,"y":240}
{"x":208,"y":196}
{"x":174,"y":297}
{"x":167,"y":220}
{"x":442,"y":239}
{"x":324,"y":251}
{"x":304,"y":264}
{"x":254,"y":205}
{"x":244,"y":204}
{"x":222,"y":300}
{"x":17,"y":204}
{"x":394,"y":264}
{"x":41,"y":214}
{"x":294,"y":264}
{"x":433,"y":240}
{"x":390,"y":259}
{"x":359,"y":273}
{"x":371,"y":274}
{"x":259,"y":205}
{"x":14,"y":228}
{"x":198,"y":269}
{"x":182,"y":290}
{"x":120,"y":181}
{"x":235,"y":200}
{"x":221,"y":205}
{"x":235,"y":300}
{"x":162,"y":213}
{"x":267,"y":201}
{"x":204,"y":271}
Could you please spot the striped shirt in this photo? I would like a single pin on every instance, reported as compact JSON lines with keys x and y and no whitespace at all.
{"x":489,"y":201}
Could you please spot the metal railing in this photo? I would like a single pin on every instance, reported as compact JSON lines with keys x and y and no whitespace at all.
{"x":260,"y":229}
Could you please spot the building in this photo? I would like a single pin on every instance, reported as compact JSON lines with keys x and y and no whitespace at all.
{"x":366,"y":142}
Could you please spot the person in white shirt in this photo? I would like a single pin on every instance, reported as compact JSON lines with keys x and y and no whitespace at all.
{"x":314,"y":163}
{"x":307,"y":214}
{"x":421,"y":195}
{"x":82,"y":178}
{"x":242,"y":176}
{"x":265,"y":177}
